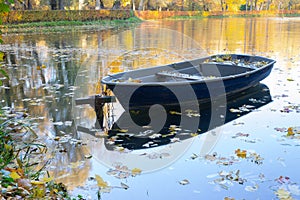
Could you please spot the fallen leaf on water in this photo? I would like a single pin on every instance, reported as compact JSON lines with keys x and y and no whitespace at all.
{"x":290,"y":79}
{"x":174,"y":113}
{"x":136,"y":171}
{"x":124,"y":186}
{"x":212,"y":157}
{"x":100,"y":182}
{"x":283,"y":179}
{"x":120,"y":149}
{"x":294,"y":189}
{"x":241,"y":153}
{"x":229,"y":198}
{"x":290,"y":131}
{"x":194,"y":156}
{"x":282,"y":194}
{"x":184,"y":182}
{"x":89,"y":156}
{"x":280,"y":129}
{"x":251,"y":188}
{"x":123,"y":130}
{"x":240,"y":135}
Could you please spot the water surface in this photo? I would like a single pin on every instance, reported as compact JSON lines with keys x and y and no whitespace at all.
{"x":48,"y":71}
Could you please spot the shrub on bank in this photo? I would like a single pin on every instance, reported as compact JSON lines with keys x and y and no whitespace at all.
{"x":15,"y":17}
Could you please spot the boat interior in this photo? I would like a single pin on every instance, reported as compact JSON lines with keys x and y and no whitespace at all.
{"x":180,"y":72}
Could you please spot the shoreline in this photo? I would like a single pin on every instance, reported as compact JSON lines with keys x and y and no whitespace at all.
{"x":136,"y":17}
{"x":62,"y":26}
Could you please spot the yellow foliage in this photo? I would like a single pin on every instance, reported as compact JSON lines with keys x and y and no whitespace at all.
{"x":14,"y":175}
{"x":125,"y":3}
{"x":194,"y":134}
{"x":1,"y":53}
{"x":100,"y":182}
{"x":47,"y":179}
{"x":7,"y":147}
{"x":282,"y":194}
{"x":136,"y":171}
{"x":39,"y":192}
{"x":41,"y":183}
{"x":290,"y":131}
{"x":241,"y":153}
{"x":205,"y":14}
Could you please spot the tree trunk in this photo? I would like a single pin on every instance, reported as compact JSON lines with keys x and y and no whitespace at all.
{"x":29,"y":5}
{"x":290,"y":5}
{"x":61,"y":5}
{"x":222,"y":5}
{"x":97,"y":6}
{"x":117,"y":5}
{"x":255,"y":4}
{"x":53,"y":4}
{"x":141,"y":5}
{"x":268,"y":4}
{"x":133,"y":5}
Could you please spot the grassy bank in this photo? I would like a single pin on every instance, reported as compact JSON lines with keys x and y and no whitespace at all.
{"x":61,"y":26}
{"x":22,"y":171}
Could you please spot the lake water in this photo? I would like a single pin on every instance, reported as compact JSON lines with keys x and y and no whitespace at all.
{"x":249,"y":156}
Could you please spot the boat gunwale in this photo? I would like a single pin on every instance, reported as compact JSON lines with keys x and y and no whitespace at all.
{"x":188,"y":82}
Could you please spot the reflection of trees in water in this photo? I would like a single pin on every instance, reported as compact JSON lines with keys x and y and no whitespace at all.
{"x":70,"y":165}
{"x":40,"y":85}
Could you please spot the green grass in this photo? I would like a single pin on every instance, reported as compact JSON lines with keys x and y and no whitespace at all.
{"x":186,"y":17}
{"x":58,"y":26}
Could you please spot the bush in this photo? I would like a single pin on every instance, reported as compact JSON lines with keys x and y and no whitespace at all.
{"x":15,"y":17}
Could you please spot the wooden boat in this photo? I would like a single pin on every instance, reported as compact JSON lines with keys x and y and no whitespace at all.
{"x":200,"y":79}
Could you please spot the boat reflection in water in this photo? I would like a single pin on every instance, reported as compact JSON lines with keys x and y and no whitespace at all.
{"x":141,"y":134}
{"x":134,"y":139}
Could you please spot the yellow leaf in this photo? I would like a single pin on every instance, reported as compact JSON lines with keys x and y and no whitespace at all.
{"x":194,"y":134}
{"x":14,"y":175}
{"x":123,"y":130}
{"x":39,"y":193}
{"x":100,"y":182}
{"x":136,"y":171}
{"x":1,"y":56}
{"x":47,"y":179}
{"x":282,"y":194}
{"x":175,"y":113}
{"x":43,"y":66}
{"x":290,"y":131}
{"x":38,"y":67}
{"x":241,"y":153}
{"x":8,"y":147}
{"x":37,"y":182}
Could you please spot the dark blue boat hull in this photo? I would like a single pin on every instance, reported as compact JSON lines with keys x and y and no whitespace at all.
{"x":137,"y":95}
